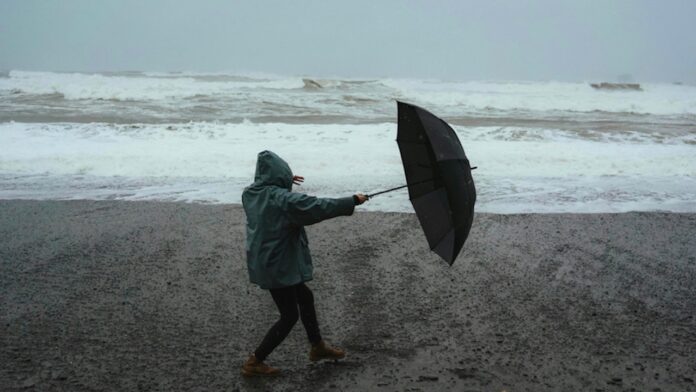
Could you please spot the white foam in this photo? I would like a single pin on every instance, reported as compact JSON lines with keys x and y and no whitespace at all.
{"x":533,"y":134}
{"x":447,"y":98}
{"x":491,"y":96}
{"x":75,"y":86}
{"x":212,"y":162}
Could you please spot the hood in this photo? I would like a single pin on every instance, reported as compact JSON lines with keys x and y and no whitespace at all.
{"x":272,"y":170}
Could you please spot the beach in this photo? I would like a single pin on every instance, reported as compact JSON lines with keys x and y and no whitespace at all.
{"x":147,"y":295}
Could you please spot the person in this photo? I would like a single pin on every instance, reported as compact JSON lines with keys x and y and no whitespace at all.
{"x":278,"y":257}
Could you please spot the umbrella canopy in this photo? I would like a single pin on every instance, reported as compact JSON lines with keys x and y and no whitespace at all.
{"x":439,"y":180}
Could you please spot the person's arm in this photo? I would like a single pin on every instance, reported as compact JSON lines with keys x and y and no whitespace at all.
{"x":304,"y":210}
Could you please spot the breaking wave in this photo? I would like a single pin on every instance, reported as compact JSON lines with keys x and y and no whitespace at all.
{"x":443,"y":97}
{"x":539,"y":146}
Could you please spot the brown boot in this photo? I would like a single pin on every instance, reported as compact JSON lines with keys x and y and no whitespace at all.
{"x":322,"y":350}
{"x":253,"y":367}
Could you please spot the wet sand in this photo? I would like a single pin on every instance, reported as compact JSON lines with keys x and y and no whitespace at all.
{"x":155,"y":296}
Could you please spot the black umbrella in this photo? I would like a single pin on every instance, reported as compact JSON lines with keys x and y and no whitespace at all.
{"x":438,"y":177}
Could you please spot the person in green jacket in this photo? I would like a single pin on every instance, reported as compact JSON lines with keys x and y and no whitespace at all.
{"x":278,"y":257}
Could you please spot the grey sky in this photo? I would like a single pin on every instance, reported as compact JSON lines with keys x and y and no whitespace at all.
{"x":540,"y":40}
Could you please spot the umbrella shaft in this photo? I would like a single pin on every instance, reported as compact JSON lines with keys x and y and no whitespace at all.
{"x":387,"y":191}
{"x":397,"y":188}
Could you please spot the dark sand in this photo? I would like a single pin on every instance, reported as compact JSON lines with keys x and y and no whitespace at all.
{"x":154,"y":296}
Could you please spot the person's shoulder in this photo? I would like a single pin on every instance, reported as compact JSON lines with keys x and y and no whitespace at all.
{"x":251,"y":191}
{"x":279,"y":194}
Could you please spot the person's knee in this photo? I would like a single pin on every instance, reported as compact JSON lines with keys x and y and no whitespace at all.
{"x":290,"y":317}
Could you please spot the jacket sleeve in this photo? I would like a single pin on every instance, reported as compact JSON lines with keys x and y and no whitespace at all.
{"x":304,"y":210}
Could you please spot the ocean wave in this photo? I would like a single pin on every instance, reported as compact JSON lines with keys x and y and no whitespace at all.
{"x":134,"y":87}
{"x":519,"y":169}
{"x":222,"y":149}
{"x":530,"y":134}
{"x":359,"y":98}
{"x":486,"y":96}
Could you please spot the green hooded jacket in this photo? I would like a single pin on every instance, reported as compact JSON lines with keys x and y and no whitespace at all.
{"x":276,"y":242}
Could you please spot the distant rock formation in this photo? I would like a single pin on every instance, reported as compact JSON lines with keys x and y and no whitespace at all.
{"x":616,"y":86}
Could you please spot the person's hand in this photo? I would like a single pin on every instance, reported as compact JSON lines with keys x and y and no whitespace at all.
{"x":297,"y":180}
{"x":361,"y":198}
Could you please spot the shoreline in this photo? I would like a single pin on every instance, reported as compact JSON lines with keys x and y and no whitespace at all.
{"x":359,"y":210}
{"x":154,"y":295}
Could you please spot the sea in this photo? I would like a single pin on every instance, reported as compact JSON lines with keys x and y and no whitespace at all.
{"x":541,"y":147}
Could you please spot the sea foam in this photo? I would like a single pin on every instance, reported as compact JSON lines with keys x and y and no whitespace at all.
{"x":138,"y":87}
{"x":212,"y":162}
{"x":357,"y":96}
{"x":191,"y":136}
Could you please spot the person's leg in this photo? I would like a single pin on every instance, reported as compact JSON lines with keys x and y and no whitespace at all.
{"x":286,"y":301}
{"x":305,"y":299}
{"x":320,"y":349}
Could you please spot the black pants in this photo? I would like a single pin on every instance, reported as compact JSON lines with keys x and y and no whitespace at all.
{"x":288,"y":299}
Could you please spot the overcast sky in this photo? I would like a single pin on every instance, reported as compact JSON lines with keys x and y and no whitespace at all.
{"x":516,"y":39}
